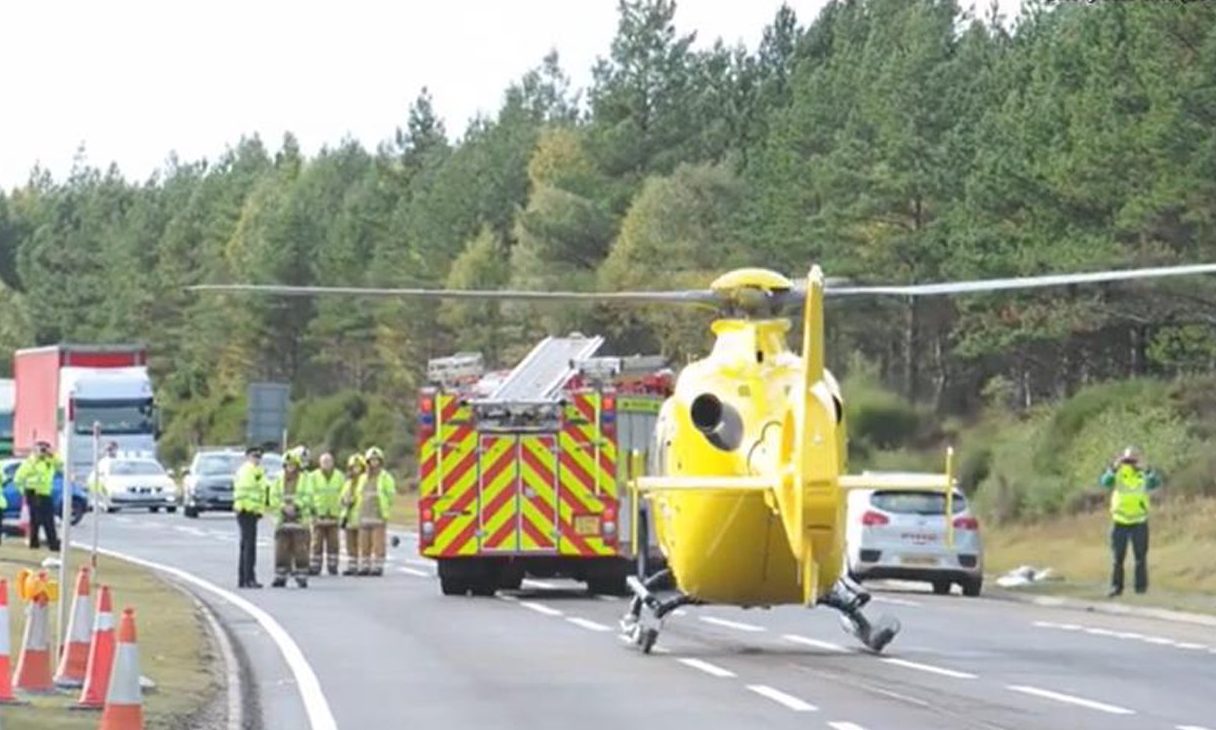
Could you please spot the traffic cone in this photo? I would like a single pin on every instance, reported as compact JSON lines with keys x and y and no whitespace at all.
{"x":34,"y":664}
{"x":6,"y":675}
{"x":124,"y":700}
{"x":74,"y":655}
{"x":101,"y":655}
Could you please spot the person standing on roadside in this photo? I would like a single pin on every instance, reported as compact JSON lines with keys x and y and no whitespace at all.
{"x":1129,"y":483}
{"x":249,"y":502}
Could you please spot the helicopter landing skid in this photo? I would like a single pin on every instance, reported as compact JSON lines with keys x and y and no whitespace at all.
{"x":874,"y":635}
{"x":643,"y":621}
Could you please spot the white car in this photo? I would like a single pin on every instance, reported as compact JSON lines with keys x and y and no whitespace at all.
{"x":902,"y":535}
{"x":139,"y":482}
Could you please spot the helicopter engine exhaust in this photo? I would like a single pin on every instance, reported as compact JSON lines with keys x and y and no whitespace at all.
{"x":717,"y":421}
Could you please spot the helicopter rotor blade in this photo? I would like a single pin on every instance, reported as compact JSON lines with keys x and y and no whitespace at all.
{"x":692,"y":296}
{"x":1021,"y":282}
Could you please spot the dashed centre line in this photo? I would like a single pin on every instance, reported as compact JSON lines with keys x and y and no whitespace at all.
{"x":1129,"y":635}
{"x":540,"y":608}
{"x":845,"y":726}
{"x":782,"y":698}
{"x":711,"y":669}
{"x":738,"y":626}
{"x":929,"y":668}
{"x":1071,"y":699}
{"x":414,"y":571}
{"x":588,"y":624}
{"x":807,"y":641}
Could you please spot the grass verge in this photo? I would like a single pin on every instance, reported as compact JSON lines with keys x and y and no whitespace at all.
{"x":1182,"y":541}
{"x":173,"y":650}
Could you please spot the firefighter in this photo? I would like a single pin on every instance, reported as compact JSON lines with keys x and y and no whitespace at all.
{"x":249,"y":503}
{"x":35,"y":478}
{"x":373,"y":495}
{"x":291,"y":503}
{"x":327,"y":495}
{"x":355,"y":467}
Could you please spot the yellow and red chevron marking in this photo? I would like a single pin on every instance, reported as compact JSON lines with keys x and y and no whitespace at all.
{"x":577,"y":473}
{"x":499,"y":486}
{"x":453,"y":433}
{"x":538,"y":492}
{"x":448,"y":481}
{"x":584,"y":432}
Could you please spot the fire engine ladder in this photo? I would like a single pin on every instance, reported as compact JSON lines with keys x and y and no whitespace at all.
{"x":540,"y":376}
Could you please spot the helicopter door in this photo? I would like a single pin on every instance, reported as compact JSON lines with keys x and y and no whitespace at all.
{"x":498,"y":487}
{"x":538,"y":498}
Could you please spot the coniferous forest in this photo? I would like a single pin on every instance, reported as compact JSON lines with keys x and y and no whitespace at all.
{"x":887,"y":140}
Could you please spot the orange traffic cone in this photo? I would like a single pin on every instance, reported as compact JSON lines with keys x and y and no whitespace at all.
{"x":124,"y":700}
{"x":74,"y":655}
{"x":34,"y":664}
{"x":6,"y":675}
{"x":101,"y":655}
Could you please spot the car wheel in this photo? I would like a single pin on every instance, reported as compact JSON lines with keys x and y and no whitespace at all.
{"x":170,"y":510}
{"x":941,"y":587}
{"x":111,"y":510}
{"x":154,"y":510}
{"x":191,"y":512}
{"x":972,"y":586}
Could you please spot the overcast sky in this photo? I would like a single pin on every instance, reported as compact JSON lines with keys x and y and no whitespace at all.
{"x":133,"y":80}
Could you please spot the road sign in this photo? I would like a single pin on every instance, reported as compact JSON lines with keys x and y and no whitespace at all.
{"x":267,"y":416}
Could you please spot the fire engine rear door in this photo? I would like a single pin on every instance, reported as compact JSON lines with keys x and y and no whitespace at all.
{"x":498,"y":484}
{"x":538,"y":493}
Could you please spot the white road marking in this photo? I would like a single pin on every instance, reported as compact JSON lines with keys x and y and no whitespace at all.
{"x":512,"y":599}
{"x":815,"y":643}
{"x":1190,"y":645}
{"x":845,"y":726}
{"x":1102,"y":632}
{"x":320,"y":717}
{"x":1071,"y":700}
{"x":415,"y":561}
{"x":539,"y":584}
{"x":731,"y":624}
{"x":679,"y":612}
{"x":1129,"y":635}
{"x":190,"y":530}
{"x":894,"y":601}
{"x":929,"y":668}
{"x":602,"y":597}
{"x":540,"y":608}
{"x":414,"y":571}
{"x":1191,"y":727}
{"x":780,"y":697}
{"x":1160,"y":640}
{"x":588,"y":624}
{"x":706,"y":667}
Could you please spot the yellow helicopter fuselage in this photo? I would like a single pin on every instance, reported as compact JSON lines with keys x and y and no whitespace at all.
{"x":731,"y":546}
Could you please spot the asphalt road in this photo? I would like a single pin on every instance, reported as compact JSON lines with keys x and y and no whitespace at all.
{"x":392,"y":652}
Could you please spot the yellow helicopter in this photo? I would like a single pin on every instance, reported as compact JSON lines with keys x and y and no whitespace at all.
{"x":747,"y":471}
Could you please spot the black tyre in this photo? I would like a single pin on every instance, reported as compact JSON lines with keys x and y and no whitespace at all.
{"x":191,"y":512}
{"x":451,"y":586}
{"x":941,"y":587}
{"x":154,"y":510}
{"x":170,"y":510}
{"x":972,"y":587}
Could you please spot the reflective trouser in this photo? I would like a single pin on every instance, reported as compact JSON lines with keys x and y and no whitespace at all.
{"x":324,"y":545}
{"x":1120,"y":536}
{"x":352,"y":548}
{"x":290,"y":551}
{"x":371,"y":547}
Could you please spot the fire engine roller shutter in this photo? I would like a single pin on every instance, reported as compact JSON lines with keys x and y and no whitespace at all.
{"x":580,"y":508}
{"x":498,"y":482}
{"x":538,"y":493}
{"x":454,"y":448}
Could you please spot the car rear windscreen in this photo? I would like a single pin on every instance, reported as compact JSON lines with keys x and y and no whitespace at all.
{"x":916,"y":503}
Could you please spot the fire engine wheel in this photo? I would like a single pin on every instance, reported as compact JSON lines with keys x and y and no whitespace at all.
{"x":452,"y":587}
{"x":647,"y":639}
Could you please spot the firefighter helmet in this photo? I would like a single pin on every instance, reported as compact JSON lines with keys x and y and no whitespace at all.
{"x":374,"y":453}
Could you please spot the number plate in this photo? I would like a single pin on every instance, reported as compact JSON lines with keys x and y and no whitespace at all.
{"x":919,"y":560}
{"x":587,"y":525}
